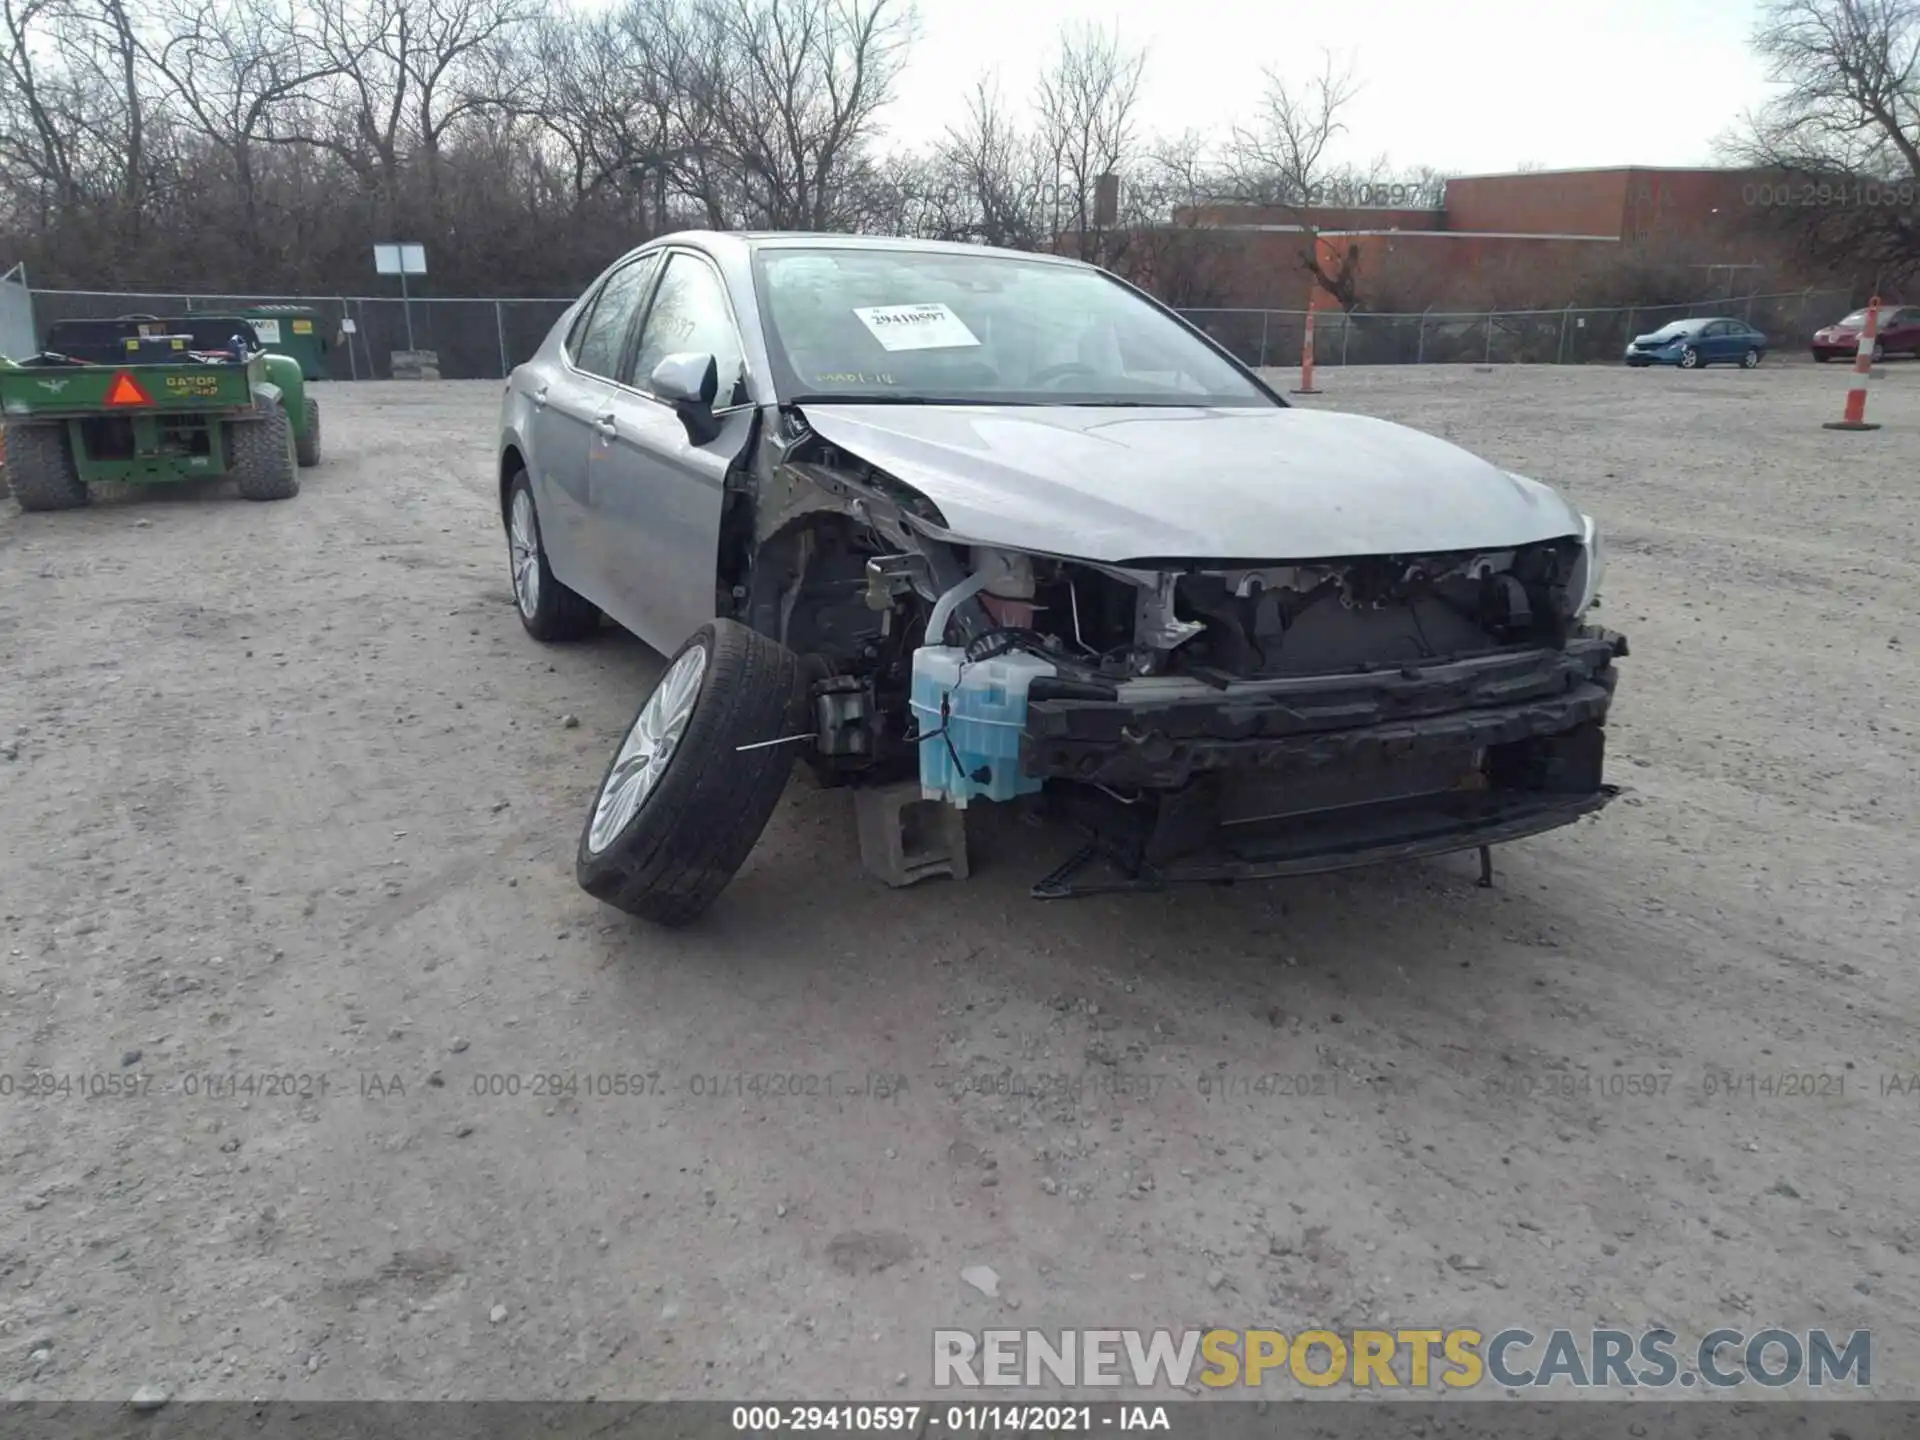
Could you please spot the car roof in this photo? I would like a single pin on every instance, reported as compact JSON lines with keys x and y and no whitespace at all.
{"x":744,"y":242}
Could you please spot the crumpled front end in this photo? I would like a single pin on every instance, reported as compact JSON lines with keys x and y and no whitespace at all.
{"x":1209,"y":718}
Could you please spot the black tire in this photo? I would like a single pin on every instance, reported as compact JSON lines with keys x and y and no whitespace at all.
{"x":306,"y":445}
{"x":1691,"y":359}
{"x":672,"y":859}
{"x":262,"y":456}
{"x":1822,"y":356}
{"x":41,"y":469}
{"x":1879,"y":352}
{"x":1750,"y":359}
{"x":557,"y":614}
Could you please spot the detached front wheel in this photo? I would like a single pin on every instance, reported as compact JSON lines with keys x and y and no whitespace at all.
{"x":694,"y":782}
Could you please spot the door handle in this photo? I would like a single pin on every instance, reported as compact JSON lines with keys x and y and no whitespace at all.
{"x":540,"y":398}
{"x":606,"y":427}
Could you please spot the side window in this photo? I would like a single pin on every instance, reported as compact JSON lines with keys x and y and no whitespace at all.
{"x":579,"y":327}
{"x":690,"y":313}
{"x":604,"y":333}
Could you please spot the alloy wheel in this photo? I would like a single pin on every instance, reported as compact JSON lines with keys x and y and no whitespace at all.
{"x":649,"y":747}
{"x":523,"y":552}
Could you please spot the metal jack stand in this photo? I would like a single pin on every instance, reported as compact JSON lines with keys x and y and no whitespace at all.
{"x":1485,"y":882}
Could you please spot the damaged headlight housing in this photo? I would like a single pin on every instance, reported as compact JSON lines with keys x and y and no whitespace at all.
{"x":1588,"y":570}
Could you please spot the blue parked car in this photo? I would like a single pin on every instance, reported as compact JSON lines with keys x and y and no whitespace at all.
{"x":1691,"y":344}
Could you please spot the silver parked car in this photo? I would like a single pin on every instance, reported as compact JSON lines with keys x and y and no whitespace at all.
{"x":999,"y":526}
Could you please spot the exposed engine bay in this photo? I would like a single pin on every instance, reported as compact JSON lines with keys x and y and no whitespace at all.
{"x":1151,"y":680}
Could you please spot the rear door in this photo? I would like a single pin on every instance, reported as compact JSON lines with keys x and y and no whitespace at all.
{"x":568,"y":438}
{"x":656,"y":501}
{"x":1904,"y":333}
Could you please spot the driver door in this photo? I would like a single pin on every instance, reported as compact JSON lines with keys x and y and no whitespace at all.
{"x":656,"y":494}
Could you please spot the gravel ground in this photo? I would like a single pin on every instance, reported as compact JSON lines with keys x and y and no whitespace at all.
{"x":288,"y":793}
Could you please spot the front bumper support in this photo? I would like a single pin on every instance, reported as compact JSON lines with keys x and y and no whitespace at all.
{"x":1323,"y":722}
{"x":1329,"y":840}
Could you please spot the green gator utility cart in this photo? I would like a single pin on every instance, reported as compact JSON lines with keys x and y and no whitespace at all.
{"x":149,"y":401}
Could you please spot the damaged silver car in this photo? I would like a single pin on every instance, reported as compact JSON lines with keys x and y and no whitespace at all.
{"x":959,"y":526}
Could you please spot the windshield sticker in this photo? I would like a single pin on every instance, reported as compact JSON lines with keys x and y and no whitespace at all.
{"x":916,"y":327}
{"x":854,"y":377}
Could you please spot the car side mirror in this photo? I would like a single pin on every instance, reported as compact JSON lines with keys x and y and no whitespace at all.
{"x":689,"y":381}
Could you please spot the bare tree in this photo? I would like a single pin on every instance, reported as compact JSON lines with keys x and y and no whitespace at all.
{"x":36,"y":151}
{"x":1086,"y":108}
{"x":1845,"y":125}
{"x":238,"y":70}
{"x":796,"y":94}
{"x":1281,"y":162}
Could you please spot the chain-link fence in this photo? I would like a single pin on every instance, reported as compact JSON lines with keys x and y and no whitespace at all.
{"x":1572,"y":335}
{"x":482,"y":339}
{"x":476,"y":339}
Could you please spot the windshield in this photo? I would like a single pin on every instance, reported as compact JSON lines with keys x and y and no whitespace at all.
{"x":905,"y":326}
{"x":1677,"y":329}
{"x":1857,"y":320}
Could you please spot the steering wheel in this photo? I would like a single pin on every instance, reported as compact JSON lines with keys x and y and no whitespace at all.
{"x":1060,"y":372}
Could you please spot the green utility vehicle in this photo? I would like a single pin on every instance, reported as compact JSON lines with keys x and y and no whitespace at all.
{"x":143,"y":400}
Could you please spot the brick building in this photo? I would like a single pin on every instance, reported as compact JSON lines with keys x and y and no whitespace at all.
{"x":1496,"y":240}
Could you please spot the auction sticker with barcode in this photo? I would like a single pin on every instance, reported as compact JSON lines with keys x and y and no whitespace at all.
{"x":916,"y":327}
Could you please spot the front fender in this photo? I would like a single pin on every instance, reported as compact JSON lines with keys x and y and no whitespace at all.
{"x":284,"y":374}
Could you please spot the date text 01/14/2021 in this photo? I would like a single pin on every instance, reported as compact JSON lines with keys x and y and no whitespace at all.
{"x":954,"y":1419}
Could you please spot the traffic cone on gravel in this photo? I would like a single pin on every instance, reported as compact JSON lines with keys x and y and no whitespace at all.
{"x":1855,"y":417}
{"x":1306,"y":348}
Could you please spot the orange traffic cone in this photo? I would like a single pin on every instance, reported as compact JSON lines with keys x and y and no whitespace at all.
{"x":1855,"y":415}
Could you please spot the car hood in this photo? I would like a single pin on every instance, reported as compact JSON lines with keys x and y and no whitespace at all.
{"x":1114,"y":484}
{"x":1654,"y":337}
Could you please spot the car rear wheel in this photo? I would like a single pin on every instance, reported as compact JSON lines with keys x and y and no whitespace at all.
{"x":1689,"y":359}
{"x":548,"y":610}
{"x":1750,"y":359}
{"x":693,"y":783}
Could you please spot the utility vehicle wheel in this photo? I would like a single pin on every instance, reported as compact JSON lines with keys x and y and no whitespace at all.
{"x":41,"y":469}
{"x":682,"y":803}
{"x":1750,"y":359}
{"x":548,"y":609}
{"x":262,"y":456}
{"x":1689,"y":359}
{"x":306,"y":445}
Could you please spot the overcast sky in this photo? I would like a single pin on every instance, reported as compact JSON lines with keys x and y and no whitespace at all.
{"x":1471,"y":86}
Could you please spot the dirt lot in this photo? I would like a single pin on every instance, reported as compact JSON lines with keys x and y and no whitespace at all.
{"x":287,"y":792}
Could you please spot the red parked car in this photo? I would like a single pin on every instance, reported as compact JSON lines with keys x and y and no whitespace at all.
{"x":1899,"y":334}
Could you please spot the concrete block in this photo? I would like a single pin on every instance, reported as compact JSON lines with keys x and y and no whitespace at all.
{"x":905,"y":839}
{"x":416,"y":364}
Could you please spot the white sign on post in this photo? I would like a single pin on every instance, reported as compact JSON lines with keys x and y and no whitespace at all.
{"x":403,"y":259}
